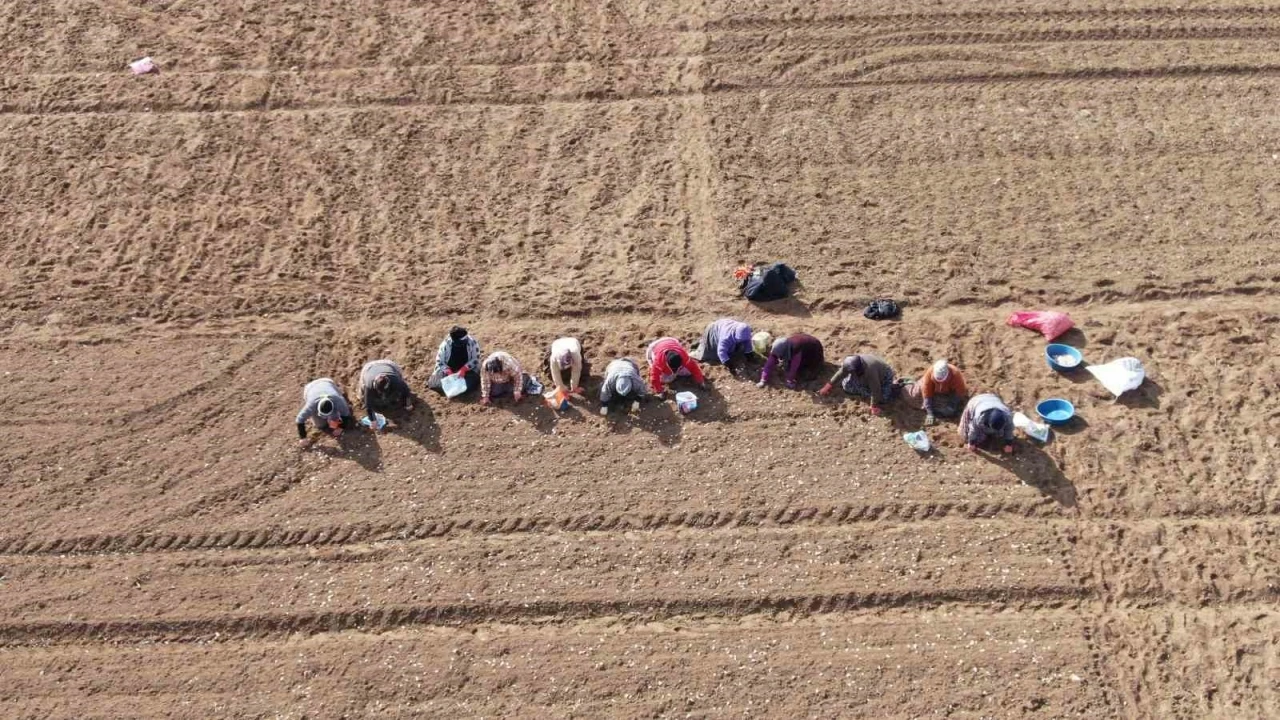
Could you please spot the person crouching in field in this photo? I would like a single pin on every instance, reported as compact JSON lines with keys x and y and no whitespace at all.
{"x":797,"y":353}
{"x":324,"y":404}
{"x":864,"y":375}
{"x":383,"y":387}
{"x":941,"y":391}
{"x":724,"y":342}
{"x":501,"y":375}
{"x":566,"y":354}
{"x":459,"y":353}
{"x":668,"y":360}
{"x":986,"y":416}
{"x":622,"y":384}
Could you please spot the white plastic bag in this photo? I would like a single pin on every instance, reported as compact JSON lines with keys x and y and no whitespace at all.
{"x":453,"y":385}
{"x":143,"y":66}
{"x":918,"y":440}
{"x":1120,"y":376}
{"x":1033,"y":429}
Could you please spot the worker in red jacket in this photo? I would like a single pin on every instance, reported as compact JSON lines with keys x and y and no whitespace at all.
{"x":668,"y":360}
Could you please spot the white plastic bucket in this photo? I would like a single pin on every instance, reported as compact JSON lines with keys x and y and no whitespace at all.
{"x":687,"y":402}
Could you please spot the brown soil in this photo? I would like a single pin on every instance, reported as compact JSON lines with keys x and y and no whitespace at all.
{"x":302,"y":189}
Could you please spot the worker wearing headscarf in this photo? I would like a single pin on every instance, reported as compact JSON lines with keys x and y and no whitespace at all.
{"x":797,"y":353}
{"x":985,"y":417}
{"x":566,"y":354}
{"x":501,"y":375}
{"x":668,"y":360}
{"x":941,"y":391}
{"x":324,"y":404}
{"x":724,"y":342}
{"x":383,"y":387}
{"x":459,"y":354}
{"x":622,"y":383}
{"x":864,"y":375}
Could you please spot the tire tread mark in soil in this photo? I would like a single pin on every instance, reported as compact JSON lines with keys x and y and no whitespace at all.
{"x":17,"y":634}
{"x":592,"y":522}
{"x":1018,"y":37}
{"x":979,"y":17}
{"x":1066,"y":77}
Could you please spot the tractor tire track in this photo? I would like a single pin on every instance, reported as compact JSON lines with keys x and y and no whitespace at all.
{"x":256,"y":627}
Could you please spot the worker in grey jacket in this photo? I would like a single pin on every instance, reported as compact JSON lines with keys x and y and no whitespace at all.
{"x":383,"y":387}
{"x":622,"y":383}
{"x":986,"y":416}
{"x":324,"y":404}
{"x":864,"y":375}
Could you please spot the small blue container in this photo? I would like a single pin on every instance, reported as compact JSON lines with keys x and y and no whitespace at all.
{"x":1055,"y":353}
{"x":1056,"y":411}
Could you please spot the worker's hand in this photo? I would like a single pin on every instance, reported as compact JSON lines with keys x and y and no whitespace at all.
{"x":635,"y":406}
{"x":1008,"y":449}
{"x":760,"y":384}
{"x":875,"y":410}
{"x":304,"y":443}
{"x":484,"y":401}
{"x":826,"y":390}
{"x":337,"y":432}
{"x":971,"y":448}
{"x":577,"y":391}
{"x":930,"y":419}
{"x":518,"y":396}
{"x":792,"y":385}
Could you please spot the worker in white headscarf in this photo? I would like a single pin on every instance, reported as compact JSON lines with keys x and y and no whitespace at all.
{"x":941,"y":391}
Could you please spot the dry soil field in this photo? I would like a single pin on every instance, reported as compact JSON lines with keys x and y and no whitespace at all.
{"x":307,"y":186}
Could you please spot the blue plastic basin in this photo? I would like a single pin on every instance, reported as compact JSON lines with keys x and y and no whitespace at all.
{"x":1055,"y":350}
{"x":1056,"y":411}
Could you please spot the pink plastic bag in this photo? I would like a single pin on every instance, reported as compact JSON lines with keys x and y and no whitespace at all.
{"x":143,"y":66}
{"x":1049,"y":323}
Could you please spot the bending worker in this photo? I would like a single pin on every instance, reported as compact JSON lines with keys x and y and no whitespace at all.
{"x":622,"y":384}
{"x":324,"y":404}
{"x":864,"y":375}
{"x":501,"y":376}
{"x":384,"y":388}
{"x":797,"y":353}
{"x":725,"y":342}
{"x":941,"y":391}
{"x":566,"y":354}
{"x":668,"y":360}
{"x":986,"y":416}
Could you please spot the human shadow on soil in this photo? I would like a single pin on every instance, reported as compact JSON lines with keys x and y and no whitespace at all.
{"x":360,"y":446}
{"x":532,"y":409}
{"x":790,"y":305}
{"x":1146,"y":395}
{"x":1033,"y":466}
{"x":656,"y":416}
{"x":418,"y":425}
{"x":712,"y":406}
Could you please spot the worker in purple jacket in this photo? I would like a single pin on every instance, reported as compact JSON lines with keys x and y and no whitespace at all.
{"x":725,"y":342}
{"x":798,"y":353}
